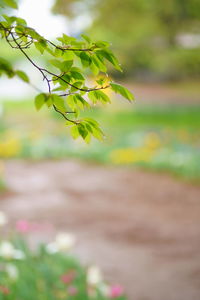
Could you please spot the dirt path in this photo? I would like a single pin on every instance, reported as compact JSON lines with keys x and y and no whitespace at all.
{"x":143,"y":229}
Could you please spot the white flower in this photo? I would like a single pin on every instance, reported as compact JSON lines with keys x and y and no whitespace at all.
{"x":12,"y":271}
{"x":8,"y":251}
{"x":105,"y":289}
{"x":94,"y":275}
{"x":3,"y":218}
{"x":63,"y":242}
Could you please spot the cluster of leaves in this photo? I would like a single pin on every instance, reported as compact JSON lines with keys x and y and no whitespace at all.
{"x":68,"y":91}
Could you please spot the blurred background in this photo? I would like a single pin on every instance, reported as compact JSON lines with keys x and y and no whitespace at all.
{"x":133,"y":200}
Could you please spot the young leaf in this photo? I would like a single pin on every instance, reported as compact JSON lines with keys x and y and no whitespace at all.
{"x":102,"y":96}
{"x":82,"y":130}
{"x":11,"y":3}
{"x":119,"y":89}
{"x":86,"y":38}
{"x":101,"y":81}
{"x":101,"y":44}
{"x":75,"y":132}
{"x":66,"y":65}
{"x":98,"y":95}
{"x":39,"y":47}
{"x":22,"y":75}
{"x":40,"y":100}
{"x":98,"y":62}
{"x":107,"y":54}
{"x":76,"y":75}
{"x":58,"y":102}
{"x":58,"y":52}
{"x":56,"y":63}
{"x":85,"y":59}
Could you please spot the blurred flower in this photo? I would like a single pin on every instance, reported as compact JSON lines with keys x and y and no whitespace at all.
{"x":104,"y":289}
{"x":183,"y":135}
{"x":72,"y":290}
{"x":63,"y":242}
{"x":4,"y":290}
{"x":131,"y":155}
{"x":94,"y":276}
{"x":10,"y":144}
{"x":152,"y":140}
{"x":12,"y":271}
{"x":23,"y":226}
{"x":68,"y":277}
{"x":8,"y":251}
{"x":116,"y":291}
{"x":3,"y":218}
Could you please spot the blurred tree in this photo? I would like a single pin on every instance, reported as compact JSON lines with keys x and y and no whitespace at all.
{"x":144,"y":33}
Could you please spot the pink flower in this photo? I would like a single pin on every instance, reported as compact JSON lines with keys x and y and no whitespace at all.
{"x":4,"y":290}
{"x":116,"y":291}
{"x":72,"y":290}
{"x":68,"y":277}
{"x":23,"y":226}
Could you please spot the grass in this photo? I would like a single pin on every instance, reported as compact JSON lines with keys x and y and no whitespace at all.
{"x":156,"y":137}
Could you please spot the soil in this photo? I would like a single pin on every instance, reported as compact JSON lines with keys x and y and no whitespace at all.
{"x":142,"y":229}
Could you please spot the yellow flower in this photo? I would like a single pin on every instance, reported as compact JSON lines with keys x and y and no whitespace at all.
{"x":183,"y":135}
{"x":152,"y":141}
{"x":131,"y":155}
{"x":10,"y":145}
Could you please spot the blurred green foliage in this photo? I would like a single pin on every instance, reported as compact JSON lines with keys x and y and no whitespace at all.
{"x":43,"y":275}
{"x":158,"y":137}
{"x":146,"y":34}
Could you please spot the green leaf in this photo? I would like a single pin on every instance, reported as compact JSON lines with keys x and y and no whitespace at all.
{"x":71,"y":102}
{"x":94,"y":127}
{"x":101,"y":44}
{"x":22,"y":75}
{"x":76,"y":75}
{"x":107,"y":54}
{"x":98,"y":95}
{"x":95,"y":70}
{"x":80,"y":101}
{"x":40,"y":46}
{"x":75,"y":132}
{"x":58,"y":52}
{"x":82,"y":130}
{"x":40,"y":100}
{"x":102,"y":96}
{"x":67,"y":39}
{"x":86,"y":38}
{"x":85,"y":59}
{"x":21,"y":21}
{"x":68,"y":55}
{"x":11,"y":3}
{"x":56,"y":63}
{"x":119,"y":89}
{"x":98,"y":62}
{"x":30,"y":31}
{"x":101,"y":81}
{"x":58,"y":102}
{"x":5,"y":67}
{"x":76,"y":86}
{"x":66,"y":65}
